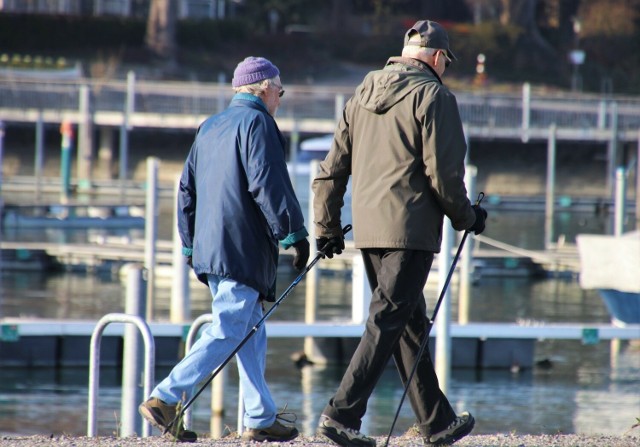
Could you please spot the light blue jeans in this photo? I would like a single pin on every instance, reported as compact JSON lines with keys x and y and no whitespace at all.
{"x":236,"y":309}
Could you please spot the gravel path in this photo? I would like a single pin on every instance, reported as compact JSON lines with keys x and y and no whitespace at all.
{"x":499,"y":440}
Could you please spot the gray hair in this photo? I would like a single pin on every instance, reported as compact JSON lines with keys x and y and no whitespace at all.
{"x":258,"y":88}
{"x":416,"y":51}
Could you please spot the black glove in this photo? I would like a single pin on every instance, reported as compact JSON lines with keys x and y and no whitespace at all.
{"x":481,"y":216}
{"x":330,"y":246}
{"x":189,"y":261}
{"x":302,"y":254}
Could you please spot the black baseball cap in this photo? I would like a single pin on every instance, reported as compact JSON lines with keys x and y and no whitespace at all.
{"x":432,"y":35}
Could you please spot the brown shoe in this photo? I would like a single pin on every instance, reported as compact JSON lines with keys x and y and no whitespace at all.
{"x":278,"y":432}
{"x":161,"y":414}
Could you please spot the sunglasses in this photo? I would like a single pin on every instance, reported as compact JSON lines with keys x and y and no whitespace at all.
{"x":281,"y":92}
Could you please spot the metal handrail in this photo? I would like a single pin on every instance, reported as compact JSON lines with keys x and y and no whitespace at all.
{"x":94,"y":364}
{"x":153,"y":101}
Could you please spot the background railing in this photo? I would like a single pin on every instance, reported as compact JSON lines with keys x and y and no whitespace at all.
{"x":185,"y":104}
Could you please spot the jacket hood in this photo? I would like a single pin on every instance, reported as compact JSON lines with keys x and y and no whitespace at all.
{"x":382,"y":89}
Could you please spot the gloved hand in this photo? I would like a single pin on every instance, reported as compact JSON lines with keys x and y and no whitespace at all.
{"x":481,"y":216}
{"x":330,"y":246}
{"x":189,"y":261}
{"x":302,"y":254}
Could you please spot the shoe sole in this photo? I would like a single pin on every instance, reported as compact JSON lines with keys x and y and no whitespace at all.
{"x":457,"y":436}
{"x":149,"y":416}
{"x":334,"y":437}
{"x":271,"y":438}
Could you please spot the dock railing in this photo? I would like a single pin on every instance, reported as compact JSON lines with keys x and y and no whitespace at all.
{"x":143,"y":103}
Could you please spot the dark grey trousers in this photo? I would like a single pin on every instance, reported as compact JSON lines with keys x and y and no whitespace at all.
{"x":395,"y":327}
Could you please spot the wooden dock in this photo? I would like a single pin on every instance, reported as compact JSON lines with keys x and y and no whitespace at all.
{"x":491,"y":257}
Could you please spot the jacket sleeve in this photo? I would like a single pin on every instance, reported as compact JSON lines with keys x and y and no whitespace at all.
{"x":187,"y":203}
{"x":330,"y":184}
{"x":444,"y":150}
{"x":269,"y":181}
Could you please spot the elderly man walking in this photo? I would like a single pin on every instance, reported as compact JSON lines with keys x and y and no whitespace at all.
{"x":235,"y":204}
{"x":401,"y":141}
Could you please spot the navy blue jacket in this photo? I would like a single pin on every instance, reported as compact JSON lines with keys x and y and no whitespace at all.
{"x":236,"y":200}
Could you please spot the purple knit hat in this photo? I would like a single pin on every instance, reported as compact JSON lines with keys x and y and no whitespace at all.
{"x":252,"y":70}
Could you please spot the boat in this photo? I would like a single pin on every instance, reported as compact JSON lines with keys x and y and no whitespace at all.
{"x":611,"y":265}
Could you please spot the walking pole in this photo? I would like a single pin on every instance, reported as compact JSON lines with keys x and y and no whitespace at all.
{"x":253,"y":330}
{"x":425,"y":340}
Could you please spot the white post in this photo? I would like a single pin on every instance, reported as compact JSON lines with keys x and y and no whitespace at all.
{"x":132,"y":363}
{"x":443,"y":319}
{"x":526,"y":111}
{"x":311,"y":278}
{"x":217,"y":404}
{"x":151,"y":231}
{"x":361,"y":292}
{"x":466,"y":268}
{"x":619,"y":205}
{"x":240,"y":410}
{"x":180,"y":290}
{"x":85,"y":140}
{"x":638,"y":185}
{"x":551,"y":187}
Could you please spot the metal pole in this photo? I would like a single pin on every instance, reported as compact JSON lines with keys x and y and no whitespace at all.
{"x":311,"y":281}
{"x":85,"y":140}
{"x":123,"y":158}
{"x":1,"y":156}
{"x":39,"y":161}
{"x":551,"y":186}
{"x":180,"y":289}
{"x":132,"y":361}
{"x":217,"y":404}
{"x":94,"y":364}
{"x":443,"y":323}
{"x":638,"y":185}
{"x":293,"y":153}
{"x":612,"y":150}
{"x":151,"y":231}
{"x":526,"y":111}
{"x":66,"y":130}
{"x":125,"y":127}
{"x":619,"y":204}
{"x":464,"y":293}
{"x":1,"y":184}
{"x":220,"y":102}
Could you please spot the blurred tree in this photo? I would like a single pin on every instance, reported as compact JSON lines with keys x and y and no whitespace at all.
{"x":289,"y":12}
{"x":609,"y":18}
{"x":340,"y":9}
{"x":533,"y":49}
{"x":161,"y":28}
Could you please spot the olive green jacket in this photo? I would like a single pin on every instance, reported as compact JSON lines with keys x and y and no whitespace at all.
{"x":401,"y":139}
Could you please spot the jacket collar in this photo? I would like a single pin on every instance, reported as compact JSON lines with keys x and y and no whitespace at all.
{"x":252,"y":98}
{"x":415,"y":63}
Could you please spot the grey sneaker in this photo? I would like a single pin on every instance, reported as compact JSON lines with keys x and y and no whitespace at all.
{"x":458,"y":429}
{"x":341,"y":435}
{"x":277,"y":432}
{"x":160,"y":414}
